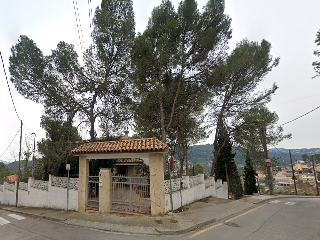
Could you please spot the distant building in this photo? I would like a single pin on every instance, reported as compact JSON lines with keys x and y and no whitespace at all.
{"x":301,"y":167}
{"x":12,"y":178}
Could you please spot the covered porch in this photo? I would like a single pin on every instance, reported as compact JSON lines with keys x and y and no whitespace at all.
{"x":151,"y":150}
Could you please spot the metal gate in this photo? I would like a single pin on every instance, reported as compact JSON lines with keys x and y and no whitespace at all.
{"x":130,"y":194}
{"x":93,"y":192}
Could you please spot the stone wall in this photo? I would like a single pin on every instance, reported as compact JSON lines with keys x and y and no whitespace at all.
{"x":37,"y":193}
{"x":193,"y":189}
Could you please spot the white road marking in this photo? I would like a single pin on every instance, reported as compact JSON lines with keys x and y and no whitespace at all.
{"x":3,"y":221}
{"x":275,"y":201}
{"x":18,"y":217}
{"x":290,"y":203}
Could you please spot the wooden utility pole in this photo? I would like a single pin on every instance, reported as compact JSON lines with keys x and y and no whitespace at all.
{"x":268,"y":161}
{"x":18,"y":178}
{"x":315,"y":177}
{"x":293,"y":176}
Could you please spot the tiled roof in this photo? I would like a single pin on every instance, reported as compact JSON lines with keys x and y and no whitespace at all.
{"x":12,"y":178}
{"x":124,"y":146}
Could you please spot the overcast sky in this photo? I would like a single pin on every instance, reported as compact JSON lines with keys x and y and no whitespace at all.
{"x":289,"y":25}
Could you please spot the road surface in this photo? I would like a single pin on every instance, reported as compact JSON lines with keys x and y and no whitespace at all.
{"x":286,"y":218}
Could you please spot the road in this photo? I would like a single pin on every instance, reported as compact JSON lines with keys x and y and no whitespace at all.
{"x":286,"y":218}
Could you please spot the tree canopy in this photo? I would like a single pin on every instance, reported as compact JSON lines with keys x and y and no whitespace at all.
{"x":99,"y":90}
{"x":56,"y":149}
{"x":256,"y":131}
{"x":234,"y":83}
{"x":169,"y":59}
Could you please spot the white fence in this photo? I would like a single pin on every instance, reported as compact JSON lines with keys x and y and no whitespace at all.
{"x":46,"y":194}
{"x":53,"y":193}
{"x":193,"y":189}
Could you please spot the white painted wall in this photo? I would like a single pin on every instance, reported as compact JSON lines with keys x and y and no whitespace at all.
{"x":197,"y":192}
{"x":54,"y":197}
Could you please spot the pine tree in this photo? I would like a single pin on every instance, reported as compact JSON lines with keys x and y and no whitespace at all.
{"x":226,"y":168}
{"x":249,"y":177}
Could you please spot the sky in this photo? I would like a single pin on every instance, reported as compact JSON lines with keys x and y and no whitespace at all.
{"x":288,"y":25}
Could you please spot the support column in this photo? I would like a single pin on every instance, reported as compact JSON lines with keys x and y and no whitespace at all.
{"x":83,"y":183}
{"x":105,"y":190}
{"x":157,"y":193}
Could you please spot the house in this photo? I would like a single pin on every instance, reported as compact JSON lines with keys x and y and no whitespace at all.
{"x":300,"y":167}
{"x":126,"y":166}
{"x":12,"y":178}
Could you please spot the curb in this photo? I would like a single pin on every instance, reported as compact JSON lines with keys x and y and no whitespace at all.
{"x":35,"y":215}
{"x":157,"y":231}
{"x":186,"y":230}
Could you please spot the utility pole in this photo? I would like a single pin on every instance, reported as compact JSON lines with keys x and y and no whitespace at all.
{"x":34,"y":147}
{"x":293,"y":176}
{"x":315,"y":177}
{"x":18,"y":178}
{"x":268,"y":161}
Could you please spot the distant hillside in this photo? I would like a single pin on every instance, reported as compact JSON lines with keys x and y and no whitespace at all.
{"x":14,"y":165}
{"x":204,"y":154}
{"x":4,"y":162}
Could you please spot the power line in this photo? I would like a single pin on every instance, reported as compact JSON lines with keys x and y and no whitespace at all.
{"x":5,"y":73}
{"x":10,"y":143}
{"x":90,"y":13}
{"x":79,"y":27}
{"x":278,"y":150}
{"x":301,"y":116}
{"x":294,"y":100}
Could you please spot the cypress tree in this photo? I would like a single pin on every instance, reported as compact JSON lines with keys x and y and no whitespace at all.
{"x":226,"y":168}
{"x":249,"y":177}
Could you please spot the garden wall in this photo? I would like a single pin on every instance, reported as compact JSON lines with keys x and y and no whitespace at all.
{"x":46,"y":194}
{"x":193,"y":189}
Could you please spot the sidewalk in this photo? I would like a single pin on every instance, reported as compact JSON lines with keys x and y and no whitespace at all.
{"x":194,"y":216}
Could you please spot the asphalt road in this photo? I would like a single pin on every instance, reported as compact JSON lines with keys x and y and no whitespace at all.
{"x":17,"y":226}
{"x":286,"y":218}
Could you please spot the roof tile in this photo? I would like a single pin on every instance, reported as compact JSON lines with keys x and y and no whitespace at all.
{"x":124,"y":145}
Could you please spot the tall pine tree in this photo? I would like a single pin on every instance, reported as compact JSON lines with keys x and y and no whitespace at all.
{"x":249,"y":177}
{"x":226,"y":168}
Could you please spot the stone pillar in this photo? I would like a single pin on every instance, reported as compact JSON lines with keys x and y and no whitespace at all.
{"x":105,"y":190}
{"x":83,"y":183}
{"x":157,"y":193}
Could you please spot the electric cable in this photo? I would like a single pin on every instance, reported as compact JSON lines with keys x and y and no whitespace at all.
{"x":5,"y":73}
{"x":294,"y":100}
{"x":79,"y":27}
{"x":10,"y":143}
{"x":300,"y":116}
{"x":90,"y":13}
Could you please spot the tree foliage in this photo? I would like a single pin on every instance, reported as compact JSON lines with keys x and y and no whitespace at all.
{"x":256,"y":131}
{"x":316,"y":64}
{"x":99,"y":90}
{"x":4,"y":172}
{"x":56,"y":149}
{"x":234,"y":83}
{"x":197,"y":169}
{"x":169,"y":58}
{"x":249,"y":177}
{"x":226,"y":168}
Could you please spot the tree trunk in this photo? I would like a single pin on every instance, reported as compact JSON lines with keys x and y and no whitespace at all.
{"x":216,"y":148}
{"x":266,"y":155}
{"x":92,"y":117}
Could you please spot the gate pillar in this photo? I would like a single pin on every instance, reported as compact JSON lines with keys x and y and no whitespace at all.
{"x":157,"y":194}
{"x":105,"y":190}
{"x":83,"y":183}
